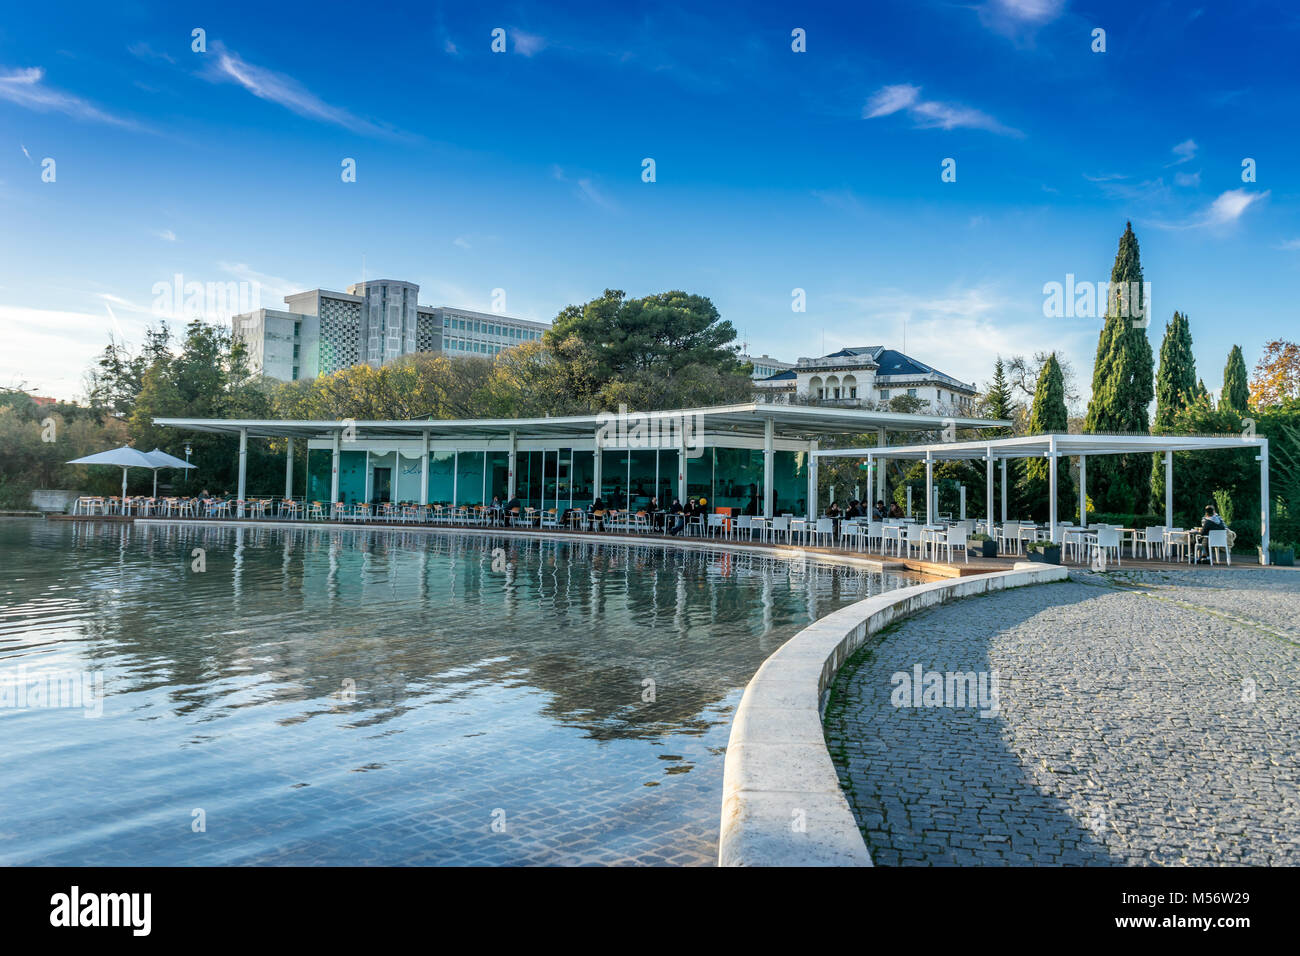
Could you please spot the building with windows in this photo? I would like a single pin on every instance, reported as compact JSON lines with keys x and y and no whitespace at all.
{"x":374,"y":322}
{"x":765,"y":365}
{"x":866,"y":377}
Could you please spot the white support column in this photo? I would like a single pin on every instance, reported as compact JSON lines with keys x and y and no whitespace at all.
{"x":961,"y":491}
{"x":880,"y":471}
{"x":455,"y":477}
{"x":514,"y":460}
{"x":243,"y":466}
{"x":288,"y":469}
{"x":909,"y":501}
{"x":1083,"y":491}
{"x":596,"y":471}
{"x":334,"y":471}
{"x":1264,"y":502}
{"x":769,"y":465}
{"x":1004,"y":491}
{"x":681,"y":467}
{"x":1169,"y":489}
{"x":812,"y":480}
{"x":1051,"y":488}
{"x":930,"y":516}
{"x":424,"y":468}
{"x":871,"y":482}
{"x":988,"y":489}
{"x":367,"y":473}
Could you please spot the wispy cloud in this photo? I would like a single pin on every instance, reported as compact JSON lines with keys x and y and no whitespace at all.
{"x":284,"y":90}
{"x":1018,"y":18}
{"x":527,"y":44}
{"x":144,"y":51}
{"x":930,"y":114}
{"x":1225,"y":211}
{"x":1290,"y":245}
{"x":460,"y":241}
{"x":1185,"y":151}
{"x":585,"y":187}
{"x":25,"y":153}
{"x":167,"y":235}
{"x":1187,"y":179}
{"x":28,"y":89}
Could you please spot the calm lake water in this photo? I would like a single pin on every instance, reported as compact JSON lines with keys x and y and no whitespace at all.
{"x":350,"y":697}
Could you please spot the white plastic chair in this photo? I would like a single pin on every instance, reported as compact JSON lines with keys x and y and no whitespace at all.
{"x":779,"y":525}
{"x":1219,"y":542}
{"x":956,"y":538}
{"x":876,"y":533}
{"x":915,"y":539}
{"x":1108,"y":539}
{"x":745,"y":524}
{"x":824,"y":526}
{"x":1153,"y":539}
{"x":715,"y":525}
{"x":852,"y":530}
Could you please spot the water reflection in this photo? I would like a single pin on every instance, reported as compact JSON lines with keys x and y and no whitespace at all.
{"x":479,"y":665}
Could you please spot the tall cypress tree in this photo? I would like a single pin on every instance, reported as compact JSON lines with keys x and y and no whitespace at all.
{"x":1176,"y":381}
{"x":998,"y":398}
{"x":1122,"y":386}
{"x":1048,"y":414}
{"x":1236,"y":393}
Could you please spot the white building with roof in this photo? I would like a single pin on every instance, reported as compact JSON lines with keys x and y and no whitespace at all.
{"x":865,"y":377}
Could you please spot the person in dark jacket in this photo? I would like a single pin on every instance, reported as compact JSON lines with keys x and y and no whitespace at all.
{"x":676,"y":520}
{"x":1211,"y":522}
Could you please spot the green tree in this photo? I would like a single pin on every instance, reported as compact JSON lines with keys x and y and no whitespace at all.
{"x":1047,"y":415}
{"x":1236,"y":391}
{"x":1176,"y":381}
{"x":1122,"y":386}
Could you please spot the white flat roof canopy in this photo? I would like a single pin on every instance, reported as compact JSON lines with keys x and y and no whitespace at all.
{"x":1038,"y":446}
{"x":746,"y":419}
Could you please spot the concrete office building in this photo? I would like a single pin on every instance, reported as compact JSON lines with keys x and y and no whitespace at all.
{"x":375,"y":322}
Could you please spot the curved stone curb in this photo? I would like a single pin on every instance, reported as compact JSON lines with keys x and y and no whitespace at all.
{"x":781,"y":798}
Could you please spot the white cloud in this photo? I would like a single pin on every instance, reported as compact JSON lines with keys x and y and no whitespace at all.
{"x":168,"y":235}
{"x":1185,"y":151}
{"x":1188,"y":179}
{"x":1290,"y":245}
{"x":1225,"y":211}
{"x":460,"y":241}
{"x":891,"y":99}
{"x":27,"y":89}
{"x":50,"y":349}
{"x":528,"y":44}
{"x":1029,"y":11}
{"x":586,"y":188}
{"x":25,"y":153}
{"x":930,"y":114}
{"x":285,"y":91}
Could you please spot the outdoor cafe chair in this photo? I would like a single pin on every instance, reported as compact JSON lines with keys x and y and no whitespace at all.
{"x":1178,"y":544}
{"x":316,"y":511}
{"x":1152,"y":540}
{"x":955,"y":538}
{"x":745,"y":524}
{"x":780,"y":525}
{"x":1008,"y":536}
{"x":852,"y":530}
{"x":549,"y":519}
{"x":716,"y":525}
{"x":824,"y":527}
{"x":1108,"y":539}
{"x":876,"y":533}
{"x":916,"y":539}
{"x":1218,"y":541}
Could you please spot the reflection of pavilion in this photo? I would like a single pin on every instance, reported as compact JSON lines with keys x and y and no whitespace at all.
{"x":416,"y":618}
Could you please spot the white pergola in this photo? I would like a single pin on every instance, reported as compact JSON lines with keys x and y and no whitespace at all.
{"x":1056,"y":446}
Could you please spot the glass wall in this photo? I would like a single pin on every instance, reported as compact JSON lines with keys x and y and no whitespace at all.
{"x":738,"y":480}
{"x":583,"y":476}
{"x":406,"y":482}
{"x":790,"y":481}
{"x":667,"y":486}
{"x":528,"y":483}
{"x":469,"y":478}
{"x":613,"y":478}
{"x":441,"y":476}
{"x":352,"y":476}
{"x":319,"y":463}
{"x":641,"y":479}
{"x":699,"y":475}
{"x":498,"y":475}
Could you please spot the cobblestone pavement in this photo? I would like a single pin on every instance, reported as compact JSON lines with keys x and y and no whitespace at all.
{"x":1145,"y":718}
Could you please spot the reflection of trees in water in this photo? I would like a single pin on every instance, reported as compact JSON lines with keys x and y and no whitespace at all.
{"x":417,"y":618}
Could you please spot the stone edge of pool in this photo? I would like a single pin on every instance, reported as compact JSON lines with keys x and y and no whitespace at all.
{"x":781,"y":799}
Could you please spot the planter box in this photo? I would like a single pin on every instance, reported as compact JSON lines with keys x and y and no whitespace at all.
{"x":1282,"y":558}
{"x":46,"y":499}
{"x":1046,"y":556}
{"x":988,"y":549}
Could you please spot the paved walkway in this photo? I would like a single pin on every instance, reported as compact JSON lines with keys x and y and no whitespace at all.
{"x":1145,"y":718}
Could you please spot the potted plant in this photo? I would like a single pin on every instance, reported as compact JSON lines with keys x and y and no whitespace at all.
{"x":1281,"y":554}
{"x":1044,"y":552}
{"x":988,"y":546}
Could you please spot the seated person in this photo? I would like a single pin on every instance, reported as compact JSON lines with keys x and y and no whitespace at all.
{"x":878,"y":511}
{"x":855,"y":509}
{"x":512,"y":510}
{"x":676,"y":518}
{"x":833,"y":510}
{"x":597,"y":512}
{"x":895,"y":511}
{"x":1211,"y":522}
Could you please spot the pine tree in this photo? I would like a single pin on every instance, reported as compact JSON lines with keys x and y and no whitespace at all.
{"x":1122,"y":386}
{"x":1049,"y":414}
{"x":1236,"y":393}
{"x":998,"y":398}
{"x":1176,"y":382}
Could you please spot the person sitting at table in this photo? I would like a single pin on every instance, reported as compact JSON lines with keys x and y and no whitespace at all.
{"x":855,"y":509}
{"x":833,"y":510}
{"x":878,"y":511}
{"x":495,"y":514}
{"x":895,"y":511}
{"x":1211,"y":522}
{"x":653,"y":513}
{"x":675,"y":520}
{"x":512,"y":511}
{"x":597,"y":512}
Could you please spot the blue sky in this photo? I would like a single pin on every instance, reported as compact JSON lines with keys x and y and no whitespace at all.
{"x":775,"y":170}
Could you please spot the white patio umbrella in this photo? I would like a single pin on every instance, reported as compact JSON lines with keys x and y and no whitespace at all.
{"x":164,"y":460}
{"x":124,"y":458}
